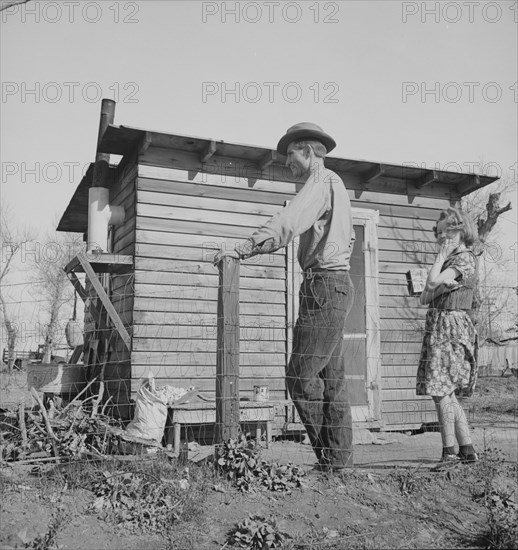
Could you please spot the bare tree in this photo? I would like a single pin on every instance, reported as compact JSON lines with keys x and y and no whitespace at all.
{"x":486,"y":205}
{"x":11,"y":241}
{"x":51,"y":282}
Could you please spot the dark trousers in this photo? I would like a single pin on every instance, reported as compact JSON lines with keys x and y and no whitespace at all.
{"x":316,"y":372}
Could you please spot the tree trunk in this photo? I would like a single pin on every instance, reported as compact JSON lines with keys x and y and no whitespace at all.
{"x":12,"y":333}
{"x":493,"y":211}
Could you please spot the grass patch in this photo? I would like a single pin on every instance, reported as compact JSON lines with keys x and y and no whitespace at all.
{"x":496,"y":398}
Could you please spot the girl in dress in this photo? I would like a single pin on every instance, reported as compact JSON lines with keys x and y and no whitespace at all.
{"x":447,"y":366}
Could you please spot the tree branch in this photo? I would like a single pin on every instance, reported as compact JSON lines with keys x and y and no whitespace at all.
{"x":7,"y":5}
{"x":493,"y":211}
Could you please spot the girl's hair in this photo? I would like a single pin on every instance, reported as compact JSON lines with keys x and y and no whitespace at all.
{"x":459,"y":220}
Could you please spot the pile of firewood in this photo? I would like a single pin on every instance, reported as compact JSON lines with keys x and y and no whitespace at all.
{"x":77,"y":430}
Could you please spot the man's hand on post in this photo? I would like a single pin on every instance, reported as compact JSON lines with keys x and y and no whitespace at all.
{"x":224,"y":253}
{"x":232,"y":250}
{"x":244,"y":249}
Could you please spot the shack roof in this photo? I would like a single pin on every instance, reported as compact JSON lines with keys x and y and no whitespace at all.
{"x":123,"y":140}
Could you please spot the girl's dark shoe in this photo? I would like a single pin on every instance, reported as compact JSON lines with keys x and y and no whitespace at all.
{"x":468,"y":458}
{"x":446,"y":461}
{"x":449,"y":459}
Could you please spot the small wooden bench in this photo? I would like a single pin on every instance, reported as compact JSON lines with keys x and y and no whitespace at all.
{"x":205,"y":413}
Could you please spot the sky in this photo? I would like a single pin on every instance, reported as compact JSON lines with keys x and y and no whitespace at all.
{"x":429,"y":83}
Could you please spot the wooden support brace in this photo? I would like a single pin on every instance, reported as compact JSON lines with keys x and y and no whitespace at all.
{"x":429,"y":178}
{"x":144,"y":143}
{"x":110,"y":309}
{"x":209,"y":151}
{"x":268,"y":159}
{"x":227,"y":356}
{"x":374,"y":173}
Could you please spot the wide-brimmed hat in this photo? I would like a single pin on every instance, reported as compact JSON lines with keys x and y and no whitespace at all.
{"x":303,"y":131}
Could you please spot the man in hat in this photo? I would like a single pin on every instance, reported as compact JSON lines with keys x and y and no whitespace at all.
{"x":321,"y":214}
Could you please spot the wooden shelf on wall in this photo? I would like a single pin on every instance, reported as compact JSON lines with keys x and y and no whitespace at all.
{"x":101,"y":262}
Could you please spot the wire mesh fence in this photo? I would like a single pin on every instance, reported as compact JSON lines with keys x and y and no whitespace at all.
{"x":161,"y":393}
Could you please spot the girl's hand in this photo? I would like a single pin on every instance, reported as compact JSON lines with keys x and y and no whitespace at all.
{"x":450,"y":283}
{"x":446,"y":248}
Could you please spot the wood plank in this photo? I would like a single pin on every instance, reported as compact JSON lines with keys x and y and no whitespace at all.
{"x":204,"y":254}
{"x":161,"y":370}
{"x":398,"y":383}
{"x":399,"y":371}
{"x":394,"y":289}
{"x":272,"y":361}
{"x":419,"y":201}
{"x":404,"y":394}
{"x":158,"y":163}
{"x":206,"y":293}
{"x":187,"y":195}
{"x":206,"y":320}
{"x":410,"y":411}
{"x":409,"y":258}
{"x":228,"y":358}
{"x":416,"y":248}
{"x":372,"y":301}
{"x":397,"y":211}
{"x":206,"y":268}
{"x":123,"y":239}
{"x":183,"y":238}
{"x":204,"y":345}
{"x":406,"y":302}
{"x":396,"y":272}
{"x":398,"y":224}
{"x":416,"y":325}
{"x":161,"y":164}
{"x":207,"y":386}
{"x":399,"y":359}
{"x":209,"y":151}
{"x":413,"y":233}
{"x":197,"y":306}
{"x":407,"y":313}
{"x":125,"y":173}
{"x":258,"y":333}
{"x":193,"y":228}
{"x":186,"y":279}
{"x":204,"y":216}
{"x":413,"y":325}
{"x":123,"y":192}
{"x":401,"y":347}
{"x":404,"y":336}
{"x":391,"y":185}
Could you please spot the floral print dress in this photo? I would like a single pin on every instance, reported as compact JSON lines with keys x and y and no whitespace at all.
{"x":448,"y":356}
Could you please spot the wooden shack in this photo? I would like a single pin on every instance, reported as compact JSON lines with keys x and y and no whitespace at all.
{"x":151,"y":294}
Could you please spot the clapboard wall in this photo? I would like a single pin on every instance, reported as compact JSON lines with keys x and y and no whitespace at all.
{"x":405,"y":241}
{"x":120,"y":286}
{"x":183,"y":217}
{"x":179,"y":211}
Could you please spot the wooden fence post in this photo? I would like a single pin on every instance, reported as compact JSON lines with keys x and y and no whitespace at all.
{"x":227,"y":355}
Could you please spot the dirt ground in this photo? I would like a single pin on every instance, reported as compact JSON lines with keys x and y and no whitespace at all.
{"x":394,"y":497}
